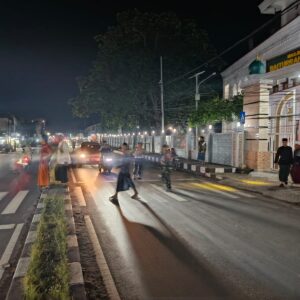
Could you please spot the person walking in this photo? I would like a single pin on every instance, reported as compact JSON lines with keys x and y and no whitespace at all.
{"x":166,"y":164}
{"x":284,"y":158}
{"x":124,"y":181}
{"x":201,"y":150}
{"x":138,"y":161}
{"x":63,"y":160}
{"x":43,"y":172}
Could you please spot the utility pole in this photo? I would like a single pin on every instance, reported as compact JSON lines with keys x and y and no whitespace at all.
{"x":197,"y":94}
{"x":197,"y":99}
{"x":162,"y":96}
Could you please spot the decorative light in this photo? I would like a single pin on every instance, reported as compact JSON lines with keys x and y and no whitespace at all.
{"x":209,"y":127}
{"x":153,"y":132}
{"x":174,"y":130}
{"x":202,"y":130}
{"x":238,"y":124}
{"x":162,"y":131}
{"x":145,"y":132}
{"x":190,"y":129}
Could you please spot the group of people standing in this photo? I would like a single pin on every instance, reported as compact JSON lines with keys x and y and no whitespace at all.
{"x":53,"y":164}
{"x":288,"y":162}
{"x":125,"y":182}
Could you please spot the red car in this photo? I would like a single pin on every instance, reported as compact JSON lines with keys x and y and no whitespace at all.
{"x":87,"y":154}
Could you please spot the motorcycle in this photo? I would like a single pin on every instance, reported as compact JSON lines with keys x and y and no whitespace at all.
{"x":23,"y":163}
{"x":106,"y":163}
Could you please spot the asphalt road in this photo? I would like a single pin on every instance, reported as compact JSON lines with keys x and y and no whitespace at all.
{"x":18,"y":197}
{"x":202,"y":241}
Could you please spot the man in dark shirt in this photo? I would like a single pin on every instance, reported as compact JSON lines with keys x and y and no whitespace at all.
{"x":284,"y":157}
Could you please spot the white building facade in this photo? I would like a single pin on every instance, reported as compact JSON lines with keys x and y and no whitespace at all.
{"x":271,"y":88}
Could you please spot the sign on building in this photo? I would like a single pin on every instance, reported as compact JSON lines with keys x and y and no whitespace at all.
{"x":284,"y":60}
{"x":242,"y":117}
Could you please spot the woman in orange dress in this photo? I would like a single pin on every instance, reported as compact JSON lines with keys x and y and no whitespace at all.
{"x":43,"y":173}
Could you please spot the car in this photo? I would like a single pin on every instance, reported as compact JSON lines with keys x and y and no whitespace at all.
{"x":87,"y":154}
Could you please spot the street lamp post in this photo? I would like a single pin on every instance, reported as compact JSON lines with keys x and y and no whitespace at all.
{"x":197,"y":94}
{"x":162,"y":96}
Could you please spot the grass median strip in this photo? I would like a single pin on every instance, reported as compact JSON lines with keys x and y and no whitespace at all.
{"x":48,"y":274}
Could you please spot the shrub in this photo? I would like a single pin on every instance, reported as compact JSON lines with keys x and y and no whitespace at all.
{"x":48,"y":274}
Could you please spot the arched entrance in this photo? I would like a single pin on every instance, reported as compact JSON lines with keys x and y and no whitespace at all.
{"x":284,"y":123}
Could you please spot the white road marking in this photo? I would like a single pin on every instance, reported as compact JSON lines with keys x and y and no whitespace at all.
{"x":79,"y":196}
{"x":10,"y":247}
{"x":244,"y":194}
{"x":140,"y":198}
{"x":73,"y":176}
{"x":170,"y":194}
{"x":2,"y":195}
{"x":189,"y":194}
{"x":7,"y":226}
{"x":101,"y":262}
{"x":14,"y":204}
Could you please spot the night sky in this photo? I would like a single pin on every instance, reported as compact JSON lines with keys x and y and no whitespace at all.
{"x":46,"y":44}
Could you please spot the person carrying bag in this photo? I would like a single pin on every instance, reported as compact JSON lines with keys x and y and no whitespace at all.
{"x":63,"y":160}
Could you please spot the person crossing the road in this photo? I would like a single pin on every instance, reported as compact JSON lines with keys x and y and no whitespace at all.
{"x":124,"y":181}
{"x":138,"y":161}
{"x":166,"y":164}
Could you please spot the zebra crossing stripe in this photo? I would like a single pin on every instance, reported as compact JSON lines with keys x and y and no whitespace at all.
{"x":244,"y":194}
{"x":11,"y":245}
{"x":170,"y":194}
{"x":15,"y":203}
{"x":2,"y":195}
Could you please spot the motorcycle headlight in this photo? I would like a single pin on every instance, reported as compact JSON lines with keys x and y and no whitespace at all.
{"x":108,"y":159}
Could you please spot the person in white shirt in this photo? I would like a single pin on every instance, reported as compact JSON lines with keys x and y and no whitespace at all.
{"x":63,"y":160}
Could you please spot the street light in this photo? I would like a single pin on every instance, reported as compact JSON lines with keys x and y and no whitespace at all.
{"x":197,"y":94}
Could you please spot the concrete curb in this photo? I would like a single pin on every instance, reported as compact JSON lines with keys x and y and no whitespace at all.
{"x":194,"y":167}
{"x":76,"y":284}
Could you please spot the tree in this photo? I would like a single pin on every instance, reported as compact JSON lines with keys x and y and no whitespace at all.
{"x":122,"y":86}
{"x":217,"y":110}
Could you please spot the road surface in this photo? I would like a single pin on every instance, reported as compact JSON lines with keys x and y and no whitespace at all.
{"x":202,"y":241}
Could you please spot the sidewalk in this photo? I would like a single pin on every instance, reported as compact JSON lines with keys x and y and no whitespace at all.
{"x":268,"y":187}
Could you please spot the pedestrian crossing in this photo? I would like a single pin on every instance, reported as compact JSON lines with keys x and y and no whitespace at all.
{"x":11,"y":226}
{"x":188,"y":191}
{"x":15,"y":203}
{"x":2,"y":195}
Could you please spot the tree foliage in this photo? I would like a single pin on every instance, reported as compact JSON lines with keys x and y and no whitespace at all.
{"x":122,"y":87}
{"x":217,"y":110}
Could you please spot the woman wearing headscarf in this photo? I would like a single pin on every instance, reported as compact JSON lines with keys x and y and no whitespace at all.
{"x":63,"y":160}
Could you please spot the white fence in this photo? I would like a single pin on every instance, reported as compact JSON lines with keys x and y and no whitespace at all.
{"x":222,"y":148}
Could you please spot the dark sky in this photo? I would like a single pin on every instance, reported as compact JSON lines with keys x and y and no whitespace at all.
{"x":46,"y":44}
